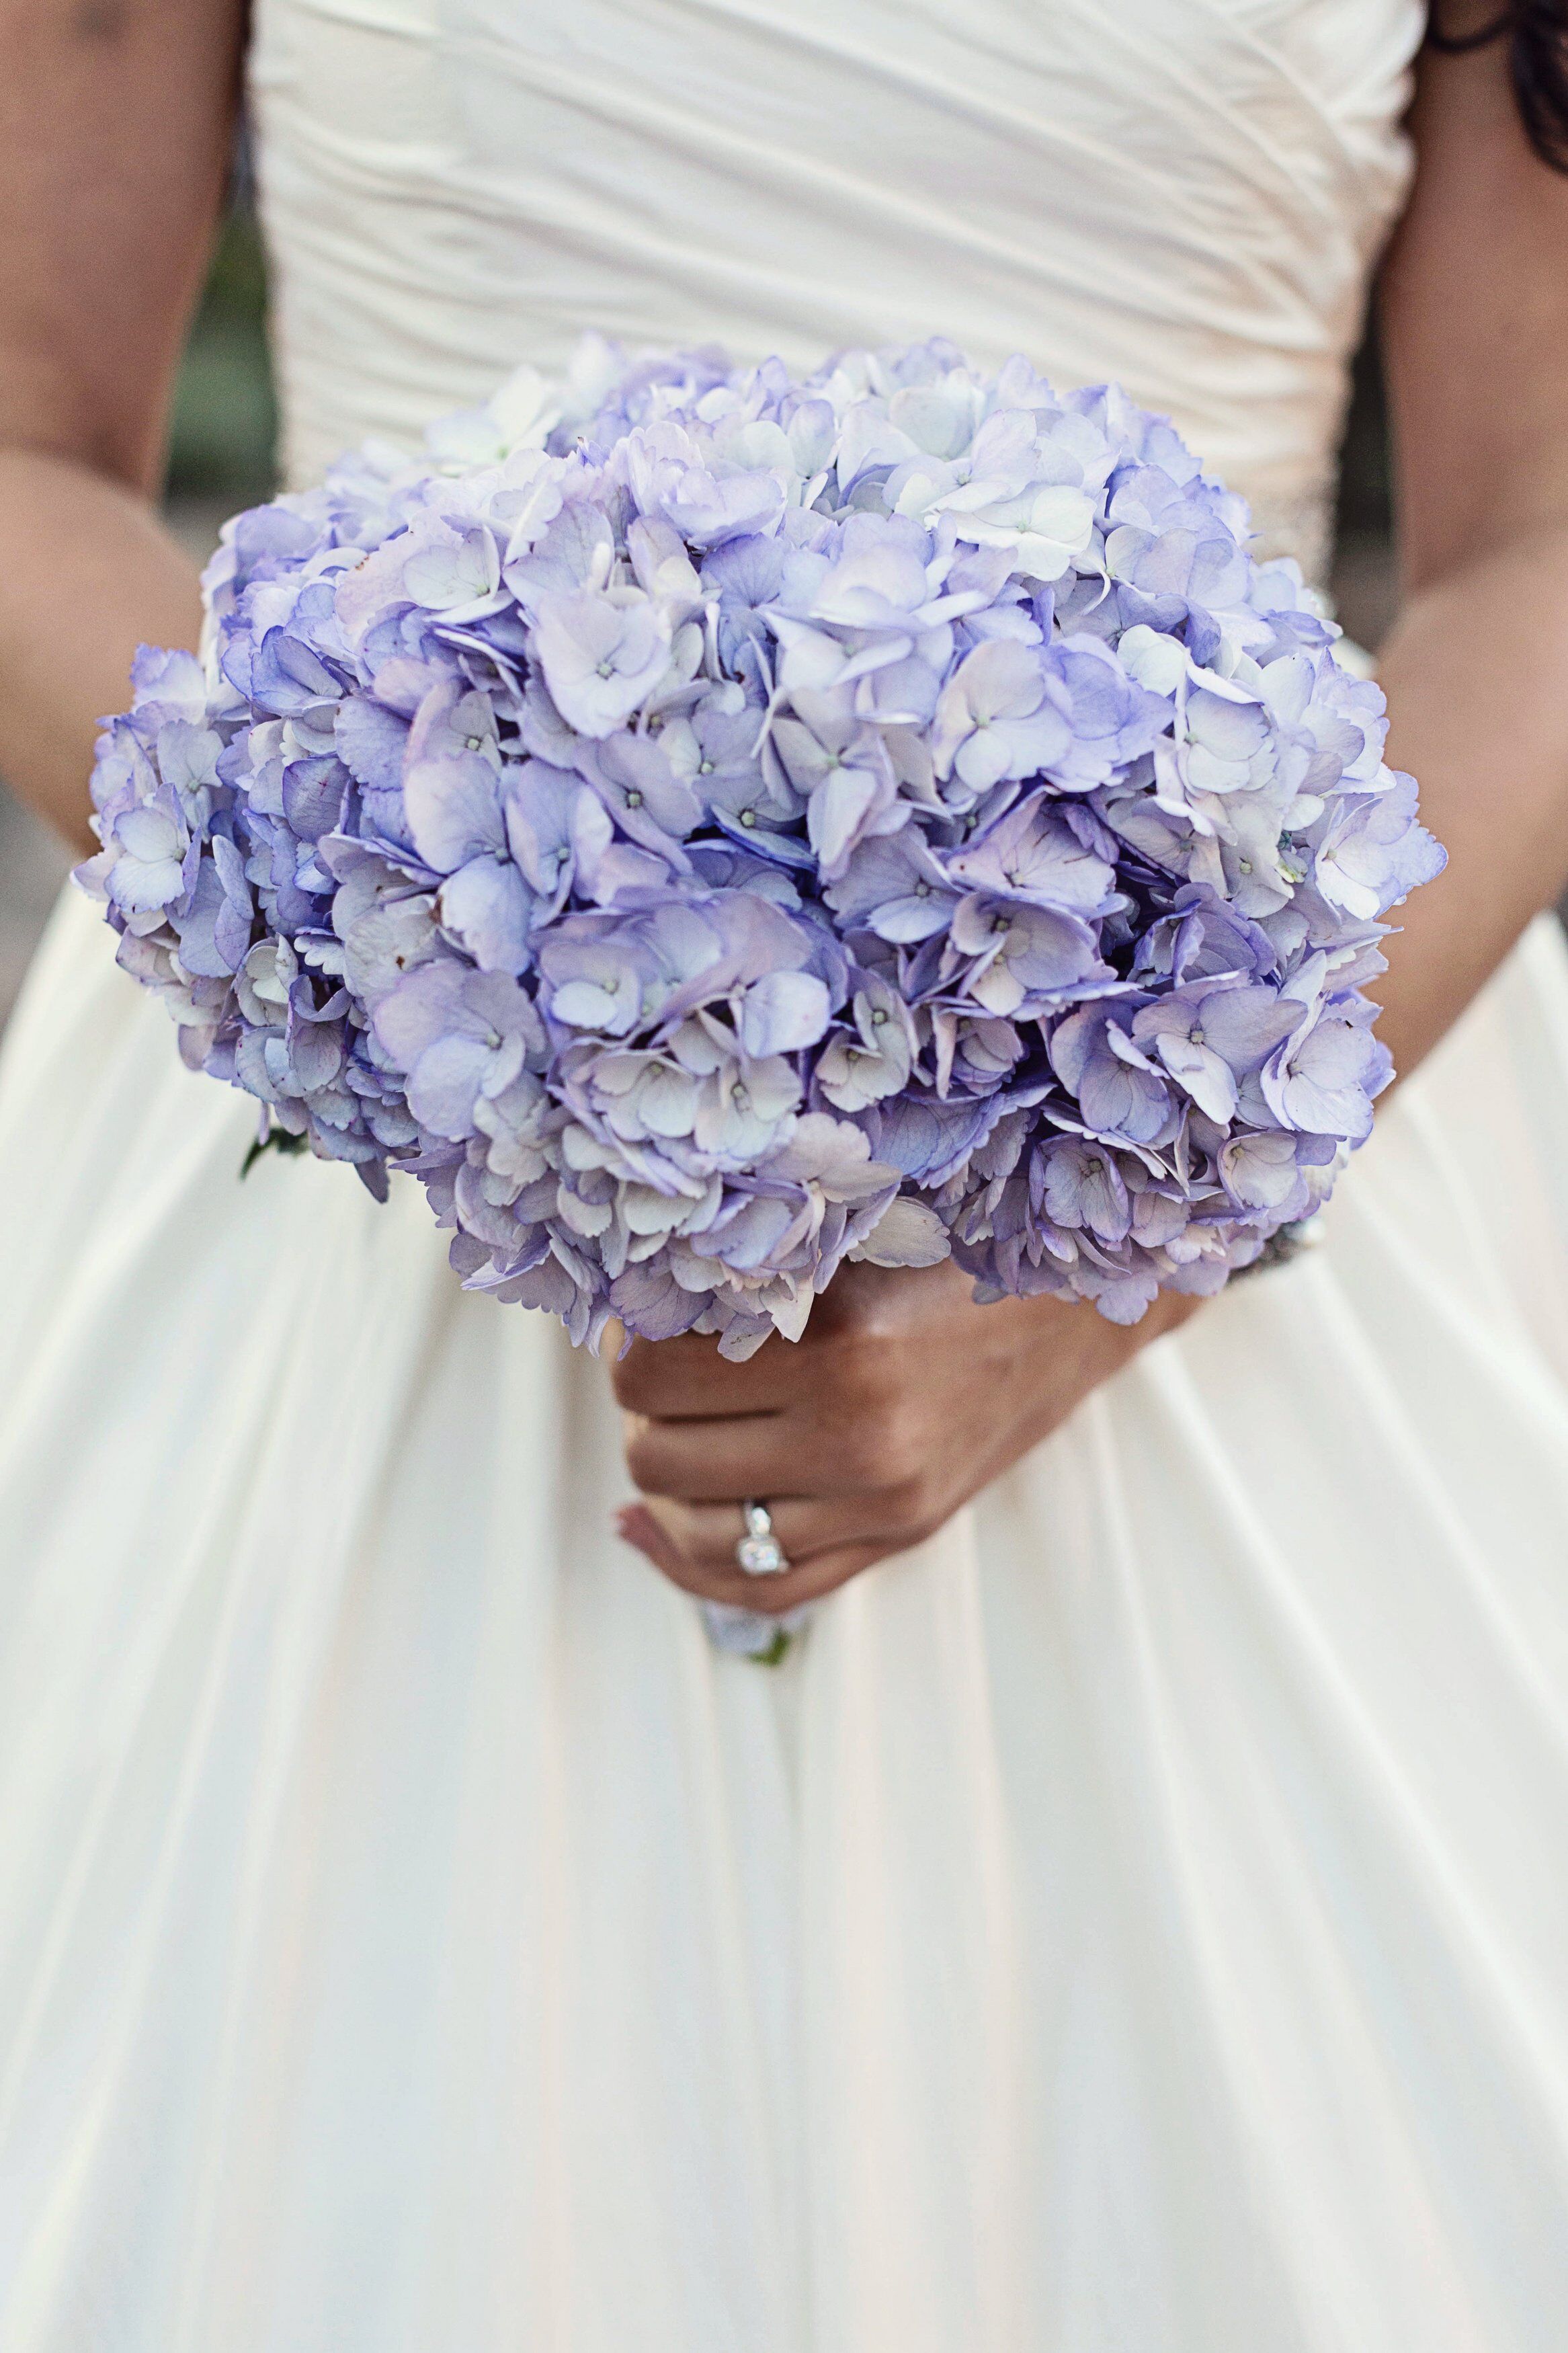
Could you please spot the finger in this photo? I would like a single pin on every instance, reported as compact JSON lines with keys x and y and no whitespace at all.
{"x":706,"y":1535}
{"x":818,"y":1449}
{"x":686,"y":1378}
{"x":771,"y":1595}
{"x":721,"y":1462}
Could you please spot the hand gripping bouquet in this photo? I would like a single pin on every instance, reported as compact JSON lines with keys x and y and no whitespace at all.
{"x":705,"y":824}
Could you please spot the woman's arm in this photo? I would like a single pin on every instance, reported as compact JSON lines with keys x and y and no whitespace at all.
{"x":116,"y":128}
{"x":1474,"y":327}
{"x":903,"y":1398}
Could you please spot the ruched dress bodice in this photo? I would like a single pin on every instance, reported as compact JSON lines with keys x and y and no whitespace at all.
{"x":1182,"y":195}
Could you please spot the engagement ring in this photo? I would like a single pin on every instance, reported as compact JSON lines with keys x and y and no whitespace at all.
{"x":759,"y":1551}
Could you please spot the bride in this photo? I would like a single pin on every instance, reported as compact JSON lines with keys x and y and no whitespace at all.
{"x":1132,"y":1919}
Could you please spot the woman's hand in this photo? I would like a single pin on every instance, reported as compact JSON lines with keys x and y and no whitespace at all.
{"x":902,"y":1401}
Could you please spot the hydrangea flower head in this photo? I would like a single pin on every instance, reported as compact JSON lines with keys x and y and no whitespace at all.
{"x":704,"y":824}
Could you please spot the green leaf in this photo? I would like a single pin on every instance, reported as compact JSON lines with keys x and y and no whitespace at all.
{"x":276,"y":1139}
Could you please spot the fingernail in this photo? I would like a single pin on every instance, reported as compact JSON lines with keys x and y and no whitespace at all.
{"x":635,"y":1526}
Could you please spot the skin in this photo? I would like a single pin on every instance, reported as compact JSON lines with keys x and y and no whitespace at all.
{"x":903,"y":1398}
{"x":116,"y":129}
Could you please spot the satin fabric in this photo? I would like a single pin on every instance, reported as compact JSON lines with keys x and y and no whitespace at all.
{"x":1134,"y":1923}
{"x":1182,"y":195}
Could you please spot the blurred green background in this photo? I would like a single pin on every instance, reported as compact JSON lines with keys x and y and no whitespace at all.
{"x":221,"y":450}
{"x":224,"y":422}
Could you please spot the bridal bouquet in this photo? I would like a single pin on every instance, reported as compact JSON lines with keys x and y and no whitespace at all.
{"x":704,"y":824}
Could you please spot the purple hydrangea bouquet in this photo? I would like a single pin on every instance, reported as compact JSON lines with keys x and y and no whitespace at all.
{"x":704,"y":825}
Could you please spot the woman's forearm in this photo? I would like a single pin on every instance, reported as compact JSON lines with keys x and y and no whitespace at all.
{"x":87,"y":574}
{"x":1476,"y":679}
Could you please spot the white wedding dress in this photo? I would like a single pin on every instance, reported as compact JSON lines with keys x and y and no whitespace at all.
{"x":1137,"y":1922}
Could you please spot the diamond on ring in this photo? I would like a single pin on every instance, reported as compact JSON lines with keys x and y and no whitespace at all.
{"x":759,"y":1551}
